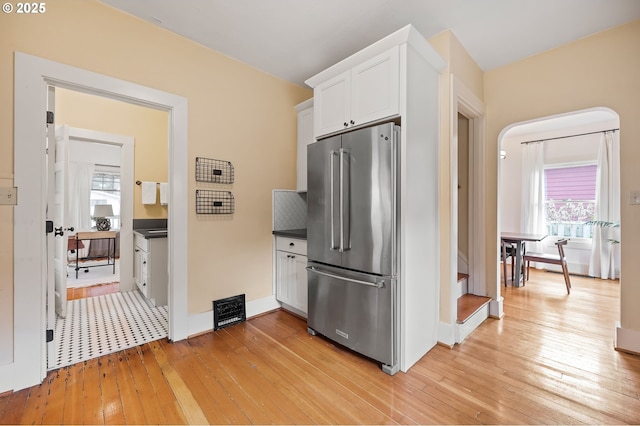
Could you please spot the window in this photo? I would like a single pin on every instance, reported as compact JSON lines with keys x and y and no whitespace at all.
{"x":105,"y":189}
{"x":570,"y":200}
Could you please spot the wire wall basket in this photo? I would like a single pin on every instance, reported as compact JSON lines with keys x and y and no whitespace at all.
{"x":214,"y":171}
{"x":214,"y":202}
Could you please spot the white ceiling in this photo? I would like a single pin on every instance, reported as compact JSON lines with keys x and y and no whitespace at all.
{"x":295,"y":39}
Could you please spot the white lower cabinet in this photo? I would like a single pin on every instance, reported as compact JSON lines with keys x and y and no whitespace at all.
{"x":291,"y":273}
{"x":150,"y":257}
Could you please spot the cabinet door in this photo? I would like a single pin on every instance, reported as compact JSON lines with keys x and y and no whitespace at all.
{"x":137,"y":269}
{"x":285,"y":276}
{"x":305,"y":137}
{"x":301,"y":293}
{"x":331,"y":101}
{"x":375,"y":88}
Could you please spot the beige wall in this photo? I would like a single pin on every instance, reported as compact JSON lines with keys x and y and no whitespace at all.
{"x":461,"y":66}
{"x":601,"y":70}
{"x":149,"y":128}
{"x":236,"y":113}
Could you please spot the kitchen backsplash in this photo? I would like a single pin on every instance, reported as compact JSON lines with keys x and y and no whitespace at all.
{"x":289,"y":210}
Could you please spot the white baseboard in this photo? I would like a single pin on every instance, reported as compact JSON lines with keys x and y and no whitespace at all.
{"x":627,"y":340}
{"x":6,"y":377}
{"x":203,"y":322}
{"x":496,"y":307}
{"x":446,"y":334}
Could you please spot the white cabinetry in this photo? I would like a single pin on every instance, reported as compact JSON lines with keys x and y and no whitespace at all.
{"x":367,"y":92}
{"x":305,"y":137}
{"x":398,"y":78}
{"x":150,"y":268}
{"x":291,"y":275}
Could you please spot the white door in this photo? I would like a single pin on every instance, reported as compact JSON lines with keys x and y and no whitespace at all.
{"x":51,"y":240}
{"x":60,"y":184}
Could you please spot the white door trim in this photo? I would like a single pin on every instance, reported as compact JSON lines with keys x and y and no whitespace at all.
{"x":31,"y":75}
{"x":463,"y":101}
{"x":126,"y":144}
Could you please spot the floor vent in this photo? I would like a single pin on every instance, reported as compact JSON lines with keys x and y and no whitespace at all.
{"x":229,"y":311}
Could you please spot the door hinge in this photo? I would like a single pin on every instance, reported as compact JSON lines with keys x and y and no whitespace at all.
{"x":49,"y":117}
{"x":49,"y":336}
{"x":49,"y":226}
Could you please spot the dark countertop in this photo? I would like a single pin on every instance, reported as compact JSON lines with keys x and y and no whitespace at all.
{"x":152,"y":233}
{"x":292,"y":233}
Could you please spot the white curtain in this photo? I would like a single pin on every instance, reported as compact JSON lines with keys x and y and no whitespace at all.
{"x":79,"y":195}
{"x":533,"y":194}
{"x":605,"y":256}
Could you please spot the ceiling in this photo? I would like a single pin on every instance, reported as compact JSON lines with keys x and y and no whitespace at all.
{"x":296,"y":39}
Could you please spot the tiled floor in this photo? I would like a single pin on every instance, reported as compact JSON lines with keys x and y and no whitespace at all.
{"x":100,"y":325}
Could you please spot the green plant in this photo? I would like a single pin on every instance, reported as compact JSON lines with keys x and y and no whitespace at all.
{"x":605,"y":224}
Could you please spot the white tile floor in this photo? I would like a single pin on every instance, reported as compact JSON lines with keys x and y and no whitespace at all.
{"x":101,"y":325}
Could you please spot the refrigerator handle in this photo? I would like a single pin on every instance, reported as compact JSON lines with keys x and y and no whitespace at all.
{"x":345,"y":196}
{"x":332,"y":154}
{"x":379,"y":284}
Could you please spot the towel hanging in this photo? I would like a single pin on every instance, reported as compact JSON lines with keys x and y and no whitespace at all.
{"x":164,"y":193}
{"x":149,"y":192}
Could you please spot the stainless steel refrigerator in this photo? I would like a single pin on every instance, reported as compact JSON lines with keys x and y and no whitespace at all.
{"x":351,"y":241}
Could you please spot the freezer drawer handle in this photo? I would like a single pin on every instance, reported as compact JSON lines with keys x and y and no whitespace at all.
{"x":326,"y":274}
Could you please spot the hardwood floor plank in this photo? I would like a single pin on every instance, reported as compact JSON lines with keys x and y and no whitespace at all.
{"x":73,"y":412}
{"x":131,"y":407}
{"x":151,"y":407}
{"x":550,"y":360}
{"x":13,"y":407}
{"x":91,"y":394}
{"x":161,"y":388}
{"x":190,"y":407}
{"x":112,"y":400}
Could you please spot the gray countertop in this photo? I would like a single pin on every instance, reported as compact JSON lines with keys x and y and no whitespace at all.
{"x":152,"y":233}
{"x":292,"y":233}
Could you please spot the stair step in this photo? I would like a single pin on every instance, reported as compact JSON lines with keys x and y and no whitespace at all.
{"x":462,"y":277}
{"x":469,"y":304}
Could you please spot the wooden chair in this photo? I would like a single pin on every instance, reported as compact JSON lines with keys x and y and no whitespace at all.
{"x":508,"y":251}
{"x":554,"y":259}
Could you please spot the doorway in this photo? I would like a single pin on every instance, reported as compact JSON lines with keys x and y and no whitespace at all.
{"x":570,"y":143}
{"x":32,"y":75}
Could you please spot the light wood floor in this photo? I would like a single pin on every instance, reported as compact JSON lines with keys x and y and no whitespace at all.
{"x":550,"y":360}
{"x":92,"y":291}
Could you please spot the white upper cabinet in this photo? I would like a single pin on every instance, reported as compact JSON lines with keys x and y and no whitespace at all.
{"x":305,"y":137}
{"x":368,"y":92}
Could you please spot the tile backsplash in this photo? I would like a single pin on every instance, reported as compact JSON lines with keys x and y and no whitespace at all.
{"x":289,"y":210}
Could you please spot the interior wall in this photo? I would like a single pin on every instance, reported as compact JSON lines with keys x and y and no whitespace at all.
{"x":236,"y":113}
{"x":149,"y":128}
{"x":597,"y":71}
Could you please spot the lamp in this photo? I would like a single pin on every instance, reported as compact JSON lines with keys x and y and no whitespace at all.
{"x":101,"y":214}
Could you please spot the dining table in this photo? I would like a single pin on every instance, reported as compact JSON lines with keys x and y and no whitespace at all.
{"x":518,"y":239}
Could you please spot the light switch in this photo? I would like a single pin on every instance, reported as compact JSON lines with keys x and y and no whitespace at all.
{"x":634,"y":197}
{"x":9,"y":196}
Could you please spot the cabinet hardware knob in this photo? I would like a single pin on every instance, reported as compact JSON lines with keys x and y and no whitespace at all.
{"x":346,"y":124}
{"x":137,"y":250}
{"x":291,"y":244}
{"x":353,"y":122}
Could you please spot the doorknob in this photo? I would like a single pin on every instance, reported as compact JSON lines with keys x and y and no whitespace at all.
{"x":59,"y":232}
